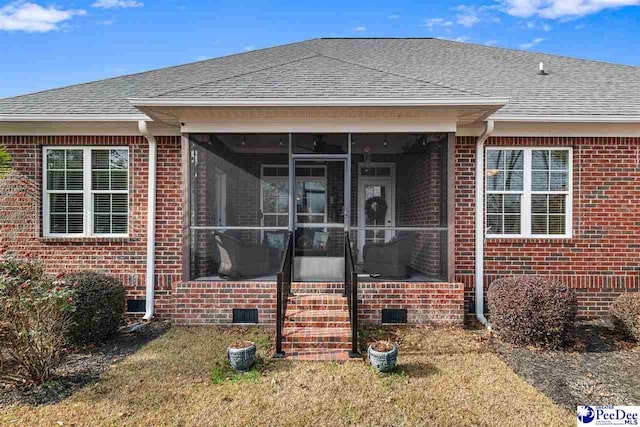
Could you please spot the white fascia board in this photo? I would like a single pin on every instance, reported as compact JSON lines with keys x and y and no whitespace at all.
{"x":317,"y":102}
{"x":568,"y":119}
{"x":73,"y":117}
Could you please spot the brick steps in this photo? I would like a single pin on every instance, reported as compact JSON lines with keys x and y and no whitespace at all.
{"x":317,"y":327}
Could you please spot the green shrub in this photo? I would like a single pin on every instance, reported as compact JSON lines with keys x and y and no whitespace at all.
{"x":35,"y":312}
{"x":100,"y":307}
{"x":532,"y":310}
{"x":626,"y":314}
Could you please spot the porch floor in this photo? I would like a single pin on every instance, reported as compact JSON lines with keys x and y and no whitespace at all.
{"x":415,"y":276}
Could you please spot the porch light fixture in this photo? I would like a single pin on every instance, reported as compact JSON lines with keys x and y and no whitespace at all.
{"x":385,"y":141}
{"x":243,"y":143}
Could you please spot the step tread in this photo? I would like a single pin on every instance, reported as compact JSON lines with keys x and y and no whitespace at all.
{"x":304,"y":313}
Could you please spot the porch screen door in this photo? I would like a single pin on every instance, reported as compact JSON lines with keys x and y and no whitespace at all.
{"x":319,"y":215}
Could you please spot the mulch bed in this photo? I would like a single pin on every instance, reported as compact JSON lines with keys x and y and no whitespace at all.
{"x":80,"y":367}
{"x":599,"y":367}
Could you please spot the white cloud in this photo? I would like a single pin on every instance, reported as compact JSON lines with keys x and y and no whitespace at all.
{"x":248,"y":48}
{"x":491,"y":43}
{"x":532,"y":43}
{"x":106,"y":22}
{"x":468,"y":16}
{"x":360,"y":29}
{"x":113,"y":4}
{"x":558,"y":9}
{"x":461,"y":39}
{"x":33,"y":18}
{"x":393,"y":16}
{"x":532,"y":25}
{"x":436,"y":22}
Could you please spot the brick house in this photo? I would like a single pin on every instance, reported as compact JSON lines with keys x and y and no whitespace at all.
{"x":213,"y":188}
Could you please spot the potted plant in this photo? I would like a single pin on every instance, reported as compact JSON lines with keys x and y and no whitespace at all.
{"x":241,"y":355}
{"x":383,"y":355}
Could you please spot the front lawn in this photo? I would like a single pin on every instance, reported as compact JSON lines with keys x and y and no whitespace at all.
{"x":445,"y":376}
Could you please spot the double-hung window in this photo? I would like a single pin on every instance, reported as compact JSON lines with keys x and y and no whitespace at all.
{"x":86,"y":191}
{"x":528,"y":192}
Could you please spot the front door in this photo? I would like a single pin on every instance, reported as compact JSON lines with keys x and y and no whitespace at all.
{"x":376,"y":204}
{"x":320,"y":207}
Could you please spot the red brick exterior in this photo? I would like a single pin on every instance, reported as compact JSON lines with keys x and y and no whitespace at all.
{"x":602,"y":259}
{"x":21,"y":206}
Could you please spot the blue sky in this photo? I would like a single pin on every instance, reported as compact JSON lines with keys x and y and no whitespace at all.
{"x":47,"y":44}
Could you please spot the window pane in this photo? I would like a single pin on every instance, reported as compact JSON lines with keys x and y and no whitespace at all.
{"x":119,"y":159}
{"x":119,"y":224}
{"x":102,"y":224}
{"x":495,"y":159}
{"x":58,"y":223}
{"x":119,"y":203}
{"x":495,"y":180}
{"x":494,"y":224}
{"x":55,"y":159}
{"x":512,"y":203}
{"x":556,"y":224}
{"x":76,"y":202}
{"x":101,"y":203}
{"x":540,"y":181}
{"x":514,"y":160}
{"x":75,"y":159}
{"x":58,"y":203}
{"x":559,"y":181}
{"x":514,"y":181}
{"x":100,"y":159}
{"x":74,"y":180}
{"x":540,"y":159}
{"x":55,"y":180}
{"x":100,"y":180}
{"x":539,"y":203}
{"x":557,"y":204}
{"x":118,"y":179}
{"x":539,"y":224}
{"x":560,"y":160}
{"x":76,"y":223}
{"x":511,"y":224}
{"x":494,"y":203}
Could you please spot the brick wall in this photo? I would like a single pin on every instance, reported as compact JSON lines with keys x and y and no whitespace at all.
{"x":602,"y":259}
{"x":436,"y":304}
{"x":20,"y":217}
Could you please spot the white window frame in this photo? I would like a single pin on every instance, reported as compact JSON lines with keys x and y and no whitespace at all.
{"x":525,"y":205}
{"x":87,"y":191}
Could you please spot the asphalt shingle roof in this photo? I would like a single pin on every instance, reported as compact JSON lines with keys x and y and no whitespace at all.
{"x":362,"y":68}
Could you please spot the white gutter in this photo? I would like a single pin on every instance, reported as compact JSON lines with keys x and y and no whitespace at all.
{"x":318,"y":102}
{"x":151,"y":220}
{"x":73,"y":117}
{"x":479,"y":277}
{"x":567,"y":119}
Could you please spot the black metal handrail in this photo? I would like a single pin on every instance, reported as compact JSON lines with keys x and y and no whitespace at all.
{"x":351,"y":292}
{"x":283,"y":290}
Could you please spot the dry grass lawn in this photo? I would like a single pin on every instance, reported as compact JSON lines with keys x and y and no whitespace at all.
{"x":446,"y":377}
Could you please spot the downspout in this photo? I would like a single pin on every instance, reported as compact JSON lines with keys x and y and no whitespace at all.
{"x":151,"y":220}
{"x":479,"y":277}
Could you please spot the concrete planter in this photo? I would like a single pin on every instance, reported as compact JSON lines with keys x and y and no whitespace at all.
{"x":242,"y":359}
{"x":383,"y":361}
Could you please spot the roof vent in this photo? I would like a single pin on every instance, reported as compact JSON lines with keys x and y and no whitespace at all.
{"x":541,"y":70}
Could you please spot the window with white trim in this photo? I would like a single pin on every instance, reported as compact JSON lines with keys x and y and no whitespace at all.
{"x":86,"y":191}
{"x":528,"y":192}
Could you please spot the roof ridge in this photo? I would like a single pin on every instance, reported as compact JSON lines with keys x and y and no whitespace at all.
{"x":155,"y":69}
{"x":511,"y":49}
{"x":442,"y":85}
{"x":237,"y":75}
